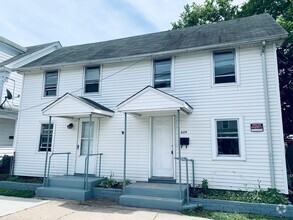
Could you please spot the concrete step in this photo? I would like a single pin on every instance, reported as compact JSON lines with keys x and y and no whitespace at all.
{"x":155,"y":179}
{"x":76,"y":182}
{"x":151,"y":202}
{"x":156,"y":190}
{"x":64,"y":193}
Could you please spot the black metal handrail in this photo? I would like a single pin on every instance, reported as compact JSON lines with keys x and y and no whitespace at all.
{"x":85,"y":180}
{"x":49,"y":165}
{"x":187,"y":174}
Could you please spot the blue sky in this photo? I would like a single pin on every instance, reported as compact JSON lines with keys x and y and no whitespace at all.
{"x":31,"y":22}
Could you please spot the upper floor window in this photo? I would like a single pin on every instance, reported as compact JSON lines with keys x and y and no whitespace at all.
{"x":162,"y":73}
{"x":51,"y":81}
{"x":44,"y":137}
{"x":224,"y":65}
{"x":92,"y":79}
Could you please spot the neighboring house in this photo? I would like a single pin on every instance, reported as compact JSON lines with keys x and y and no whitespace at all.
{"x":222,"y":78}
{"x":13,"y":56}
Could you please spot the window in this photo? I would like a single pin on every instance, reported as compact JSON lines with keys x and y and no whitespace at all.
{"x":162,"y":73}
{"x":51,"y":80}
{"x":84,"y":138}
{"x":227,"y":137}
{"x":44,"y":137}
{"x":224,"y":65}
{"x":92,"y":79}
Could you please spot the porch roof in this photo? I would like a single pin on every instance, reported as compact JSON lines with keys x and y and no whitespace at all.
{"x":73,"y":106}
{"x":149,"y":101}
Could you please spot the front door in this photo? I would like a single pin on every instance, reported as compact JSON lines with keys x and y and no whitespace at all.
{"x":162,"y":147}
{"x":82,"y":149}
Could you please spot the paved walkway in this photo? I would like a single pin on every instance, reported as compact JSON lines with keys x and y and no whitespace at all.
{"x":63,"y":209}
{"x":10,"y":205}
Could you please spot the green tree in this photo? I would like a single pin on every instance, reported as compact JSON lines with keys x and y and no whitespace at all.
{"x":210,"y":11}
{"x":281,"y":10}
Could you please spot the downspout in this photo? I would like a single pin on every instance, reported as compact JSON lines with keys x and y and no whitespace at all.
{"x":269,"y":132}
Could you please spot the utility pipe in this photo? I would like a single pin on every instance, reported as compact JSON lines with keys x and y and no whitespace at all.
{"x":267,"y":109}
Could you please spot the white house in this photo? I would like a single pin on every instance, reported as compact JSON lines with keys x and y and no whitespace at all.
{"x":13,"y":56}
{"x":214,"y":86}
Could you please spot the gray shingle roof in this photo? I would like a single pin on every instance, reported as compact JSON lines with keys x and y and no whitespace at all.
{"x":249,"y":29}
{"x":29,"y":50}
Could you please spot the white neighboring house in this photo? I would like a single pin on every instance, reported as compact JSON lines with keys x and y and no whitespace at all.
{"x":13,"y":56}
{"x":221,"y":78}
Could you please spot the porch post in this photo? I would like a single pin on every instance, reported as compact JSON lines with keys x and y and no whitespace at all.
{"x":47,"y":152}
{"x":88,"y":151}
{"x":125,"y":136}
{"x":179,"y":152}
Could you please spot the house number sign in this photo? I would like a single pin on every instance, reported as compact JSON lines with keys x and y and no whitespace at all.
{"x":257,"y":127}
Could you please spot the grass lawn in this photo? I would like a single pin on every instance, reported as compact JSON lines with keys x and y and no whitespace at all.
{"x":17,"y":193}
{"x":229,"y":216}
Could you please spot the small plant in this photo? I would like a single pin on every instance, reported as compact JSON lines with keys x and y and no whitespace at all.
{"x":112,"y":183}
{"x":204,"y":184}
{"x":109,"y":182}
{"x":271,"y":195}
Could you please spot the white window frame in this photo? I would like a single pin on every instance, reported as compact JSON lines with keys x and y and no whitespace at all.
{"x":172,"y":73}
{"x":100,"y":81}
{"x":236,"y":67}
{"x":240,"y":127}
{"x":39,"y":136}
{"x":44,"y":83}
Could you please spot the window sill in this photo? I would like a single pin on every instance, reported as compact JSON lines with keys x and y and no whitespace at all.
{"x":229,"y":158}
{"x":92,"y":94}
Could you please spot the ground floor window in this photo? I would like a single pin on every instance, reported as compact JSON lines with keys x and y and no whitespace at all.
{"x":44,"y":137}
{"x":228,"y":138}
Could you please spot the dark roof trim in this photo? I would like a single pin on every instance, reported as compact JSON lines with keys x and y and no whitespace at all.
{"x":84,"y":100}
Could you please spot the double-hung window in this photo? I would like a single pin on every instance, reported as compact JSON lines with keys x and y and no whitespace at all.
{"x":51,"y":81}
{"x":224,"y":67}
{"x":227,"y":137}
{"x":162,"y":73}
{"x":92,"y":80}
{"x":44,"y":137}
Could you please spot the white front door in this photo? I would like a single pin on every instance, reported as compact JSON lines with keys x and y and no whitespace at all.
{"x":82,"y":149}
{"x":162,"y":147}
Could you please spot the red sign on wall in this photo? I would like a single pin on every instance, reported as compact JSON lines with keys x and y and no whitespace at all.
{"x":257,"y":127}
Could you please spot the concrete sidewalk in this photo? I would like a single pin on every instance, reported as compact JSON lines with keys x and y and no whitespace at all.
{"x":10,"y":205}
{"x":64,"y":209}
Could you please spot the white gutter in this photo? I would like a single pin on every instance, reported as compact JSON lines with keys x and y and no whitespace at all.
{"x":267,"y":110}
{"x":149,"y":55}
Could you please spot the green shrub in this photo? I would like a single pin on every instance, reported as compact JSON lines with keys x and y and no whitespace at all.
{"x":271,"y":195}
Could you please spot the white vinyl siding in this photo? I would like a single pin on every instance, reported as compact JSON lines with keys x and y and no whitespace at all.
{"x":193,"y":84}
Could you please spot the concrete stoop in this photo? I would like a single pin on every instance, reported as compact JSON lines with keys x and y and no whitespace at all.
{"x":154,"y":195}
{"x":68,"y":187}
